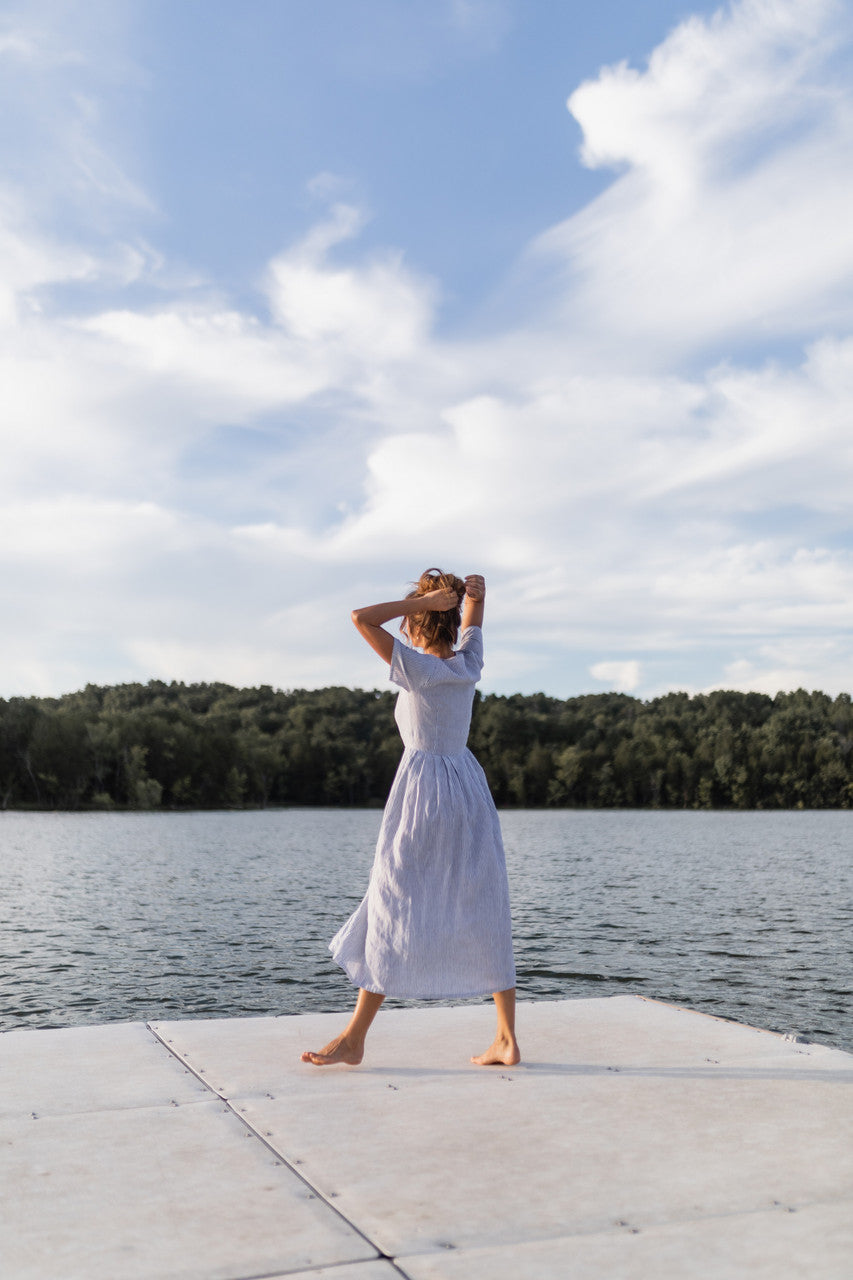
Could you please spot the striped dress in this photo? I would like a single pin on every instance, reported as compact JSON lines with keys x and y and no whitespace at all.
{"x":435,"y":921}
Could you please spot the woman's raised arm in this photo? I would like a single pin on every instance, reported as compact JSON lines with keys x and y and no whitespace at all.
{"x":369,"y":619}
{"x":475,"y":598}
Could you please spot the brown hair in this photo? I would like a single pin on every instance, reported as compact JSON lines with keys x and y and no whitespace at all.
{"x":433,"y":627}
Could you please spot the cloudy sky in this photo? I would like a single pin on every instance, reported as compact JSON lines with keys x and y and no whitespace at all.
{"x":299,"y":297}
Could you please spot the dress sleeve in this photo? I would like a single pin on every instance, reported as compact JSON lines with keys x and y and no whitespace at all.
{"x":471,"y":647}
{"x":409,"y":669}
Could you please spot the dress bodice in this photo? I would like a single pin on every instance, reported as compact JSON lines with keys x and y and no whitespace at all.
{"x":433,"y":710}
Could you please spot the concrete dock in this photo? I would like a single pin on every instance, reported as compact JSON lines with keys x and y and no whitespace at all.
{"x":637,"y":1141}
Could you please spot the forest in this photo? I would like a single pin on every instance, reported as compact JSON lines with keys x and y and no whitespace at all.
{"x":179,"y":746}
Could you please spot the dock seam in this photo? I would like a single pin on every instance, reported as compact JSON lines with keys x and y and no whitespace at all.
{"x":279,"y":1155}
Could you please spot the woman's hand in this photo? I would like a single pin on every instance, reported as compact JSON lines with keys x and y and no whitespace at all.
{"x":473,"y":605}
{"x":438,"y":601}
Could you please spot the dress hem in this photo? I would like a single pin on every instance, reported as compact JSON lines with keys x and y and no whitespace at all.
{"x":469,"y":994}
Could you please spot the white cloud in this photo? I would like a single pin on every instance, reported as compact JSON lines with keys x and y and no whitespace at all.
{"x":621,"y":676}
{"x":377,"y":312}
{"x":28,"y":261}
{"x":246,"y":664}
{"x":228,"y":359}
{"x":333,"y":329}
{"x":798,"y":663}
{"x":713,"y":82}
{"x":729,"y":220}
{"x":619,"y":497}
{"x":17,"y":45}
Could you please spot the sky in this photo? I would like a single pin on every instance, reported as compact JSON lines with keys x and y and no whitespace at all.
{"x":301,"y":297}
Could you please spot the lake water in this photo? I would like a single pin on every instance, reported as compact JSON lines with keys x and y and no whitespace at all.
{"x":125,"y":917}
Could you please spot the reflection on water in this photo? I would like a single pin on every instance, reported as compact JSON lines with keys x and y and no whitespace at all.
{"x":134,"y":916}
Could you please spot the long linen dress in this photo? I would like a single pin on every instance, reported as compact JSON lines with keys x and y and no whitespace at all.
{"x":435,"y":921}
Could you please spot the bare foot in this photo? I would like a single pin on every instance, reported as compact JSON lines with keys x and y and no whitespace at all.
{"x":504,"y":1052}
{"x":340,"y":1049}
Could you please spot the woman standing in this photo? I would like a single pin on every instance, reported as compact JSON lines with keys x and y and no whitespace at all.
{"x":435,"y":922}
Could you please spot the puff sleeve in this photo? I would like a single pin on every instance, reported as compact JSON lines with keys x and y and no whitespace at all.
{"x":410,"y":669}
{"x":471,"y":648}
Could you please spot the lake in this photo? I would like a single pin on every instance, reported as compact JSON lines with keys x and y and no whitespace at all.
{"x":125,"y":917}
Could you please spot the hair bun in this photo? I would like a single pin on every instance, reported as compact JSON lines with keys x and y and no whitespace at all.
{"x":433,"y":579}
{"x":434,"y":625}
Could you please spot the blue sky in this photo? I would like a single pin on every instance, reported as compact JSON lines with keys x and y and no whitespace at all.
{"x":300,"y":296}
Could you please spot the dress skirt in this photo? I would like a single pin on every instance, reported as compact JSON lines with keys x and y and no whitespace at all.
{"x":435,"y":921}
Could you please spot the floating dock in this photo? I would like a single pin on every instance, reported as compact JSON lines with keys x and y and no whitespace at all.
{"x":637,"y":1141}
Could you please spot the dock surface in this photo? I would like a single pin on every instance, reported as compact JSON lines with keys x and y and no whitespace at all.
{"x":636,"y":1141}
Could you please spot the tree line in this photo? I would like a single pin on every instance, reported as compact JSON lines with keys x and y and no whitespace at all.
{"x":177,"y":746}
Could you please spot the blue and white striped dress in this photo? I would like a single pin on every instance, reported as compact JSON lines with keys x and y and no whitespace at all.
{"x":435,"y":921}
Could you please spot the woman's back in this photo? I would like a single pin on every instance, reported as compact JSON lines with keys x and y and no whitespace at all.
{"x":433,"y":711}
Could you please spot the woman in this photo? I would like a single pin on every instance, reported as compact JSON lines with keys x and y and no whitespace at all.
{"x":435,"y":922}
